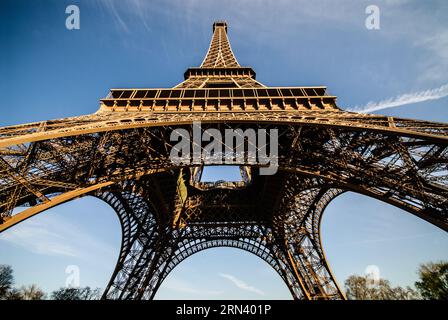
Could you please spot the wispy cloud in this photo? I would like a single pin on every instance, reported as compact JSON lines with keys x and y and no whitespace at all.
{"x":140,"y":8}
{"x":110,"y":6}
{"x":51,"y":235}
{"x":426,"y":235}
{"x":241,"y":284}
{"x":36,"y":237}
{"x":185,"y":287}
{"x":126,"y":13}
{"x":404,"y":99}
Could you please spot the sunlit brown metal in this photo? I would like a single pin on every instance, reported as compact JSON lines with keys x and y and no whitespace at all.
{"x":120,"y":154}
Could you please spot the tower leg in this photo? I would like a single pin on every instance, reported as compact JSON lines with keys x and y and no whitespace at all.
{"x":145,"y":245}
{"x":306,"y":270}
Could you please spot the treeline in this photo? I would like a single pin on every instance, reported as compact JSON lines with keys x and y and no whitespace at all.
{"x":33,"y":292}
{"x":432,"y":285}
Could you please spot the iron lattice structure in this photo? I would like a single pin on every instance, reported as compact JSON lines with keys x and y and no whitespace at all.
{"x":120,"y":154}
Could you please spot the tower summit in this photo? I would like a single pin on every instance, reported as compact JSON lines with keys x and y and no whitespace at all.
{"x":220,"y":54}
{"x":220,"y":66}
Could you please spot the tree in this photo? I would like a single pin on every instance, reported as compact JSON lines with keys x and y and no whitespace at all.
{"x":433,"y":282}
{"x":6,"y":280}
{"x":85,"y":293}
{"x":13,"y":294}
{"x":32,"y":292}
{"x":361,"y":288}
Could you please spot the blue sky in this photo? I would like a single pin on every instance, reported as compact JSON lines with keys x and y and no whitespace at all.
{"x":47,"y":71}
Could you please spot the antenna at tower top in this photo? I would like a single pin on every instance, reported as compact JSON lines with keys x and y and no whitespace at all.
{"x":220,"y":23}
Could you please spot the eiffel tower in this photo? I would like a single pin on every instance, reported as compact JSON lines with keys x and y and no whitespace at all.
{"x":121,"y":154}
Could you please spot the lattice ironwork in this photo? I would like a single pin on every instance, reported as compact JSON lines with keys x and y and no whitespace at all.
{"x":120,"y":154}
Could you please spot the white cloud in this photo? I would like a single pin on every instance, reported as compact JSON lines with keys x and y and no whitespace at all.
{"x":48,"y":234}
{"x":110,"y":6}
{"x":184,"y":287}
{"x":126,"y":13}
{"x":435,"y":67}
{"x":36,"y":237}
{"x":396,"y":2}
{"x":241,"y":284}
{"x":394,"y":240}
{"x":404,"y":99}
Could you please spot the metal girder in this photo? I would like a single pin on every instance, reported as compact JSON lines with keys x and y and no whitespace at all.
{"x":57,"y":200}
{"x":117,"y":121}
